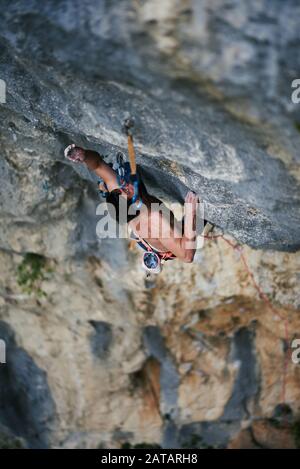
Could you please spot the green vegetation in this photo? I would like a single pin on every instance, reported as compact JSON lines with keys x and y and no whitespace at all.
{"x":297,"y":125}
{"x":296,"y":433}
{"x":196,"y":442}
{"x":128,"y":445}
{"x":31,"y":272}
{"x":7,"y":442}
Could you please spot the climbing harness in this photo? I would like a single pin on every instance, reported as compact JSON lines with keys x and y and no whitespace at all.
{"x":153,"y":260}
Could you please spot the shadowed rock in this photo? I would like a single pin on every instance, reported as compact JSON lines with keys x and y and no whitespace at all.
{"x":26,"y":403}
{"x":101,"y":338}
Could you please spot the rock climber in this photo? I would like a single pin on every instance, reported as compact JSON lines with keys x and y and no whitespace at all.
{"x":157,"y":231}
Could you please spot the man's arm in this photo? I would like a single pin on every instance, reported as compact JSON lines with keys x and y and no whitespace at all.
{"x":183,"y":246}
{"x":95,"y":162}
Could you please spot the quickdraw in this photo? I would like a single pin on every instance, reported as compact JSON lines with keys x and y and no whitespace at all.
{"x":125,"y":171}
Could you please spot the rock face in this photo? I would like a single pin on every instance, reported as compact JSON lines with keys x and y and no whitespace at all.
{"x":26,"y":401}
{"x":200,"y":360}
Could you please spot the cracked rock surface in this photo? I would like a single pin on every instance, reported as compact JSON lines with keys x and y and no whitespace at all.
{"x":198,"y":359}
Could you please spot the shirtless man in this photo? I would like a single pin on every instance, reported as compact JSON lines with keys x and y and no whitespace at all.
{"x":151,"y":225}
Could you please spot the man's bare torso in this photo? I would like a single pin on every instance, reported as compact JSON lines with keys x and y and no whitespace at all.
{"x":148,"y":225}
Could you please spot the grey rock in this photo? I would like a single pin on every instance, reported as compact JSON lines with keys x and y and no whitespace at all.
{"x":246,"y":385}
{"x":208,"y":434}
{"x":209,"y":85}
{"x":101,"y":338}
{"x":169,"y":378}
{"x":10,"y":441}
{"x":26,"y":404}
{"x":73,"y":73}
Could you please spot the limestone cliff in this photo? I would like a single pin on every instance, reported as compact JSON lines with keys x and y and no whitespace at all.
{"x":94,"y":359}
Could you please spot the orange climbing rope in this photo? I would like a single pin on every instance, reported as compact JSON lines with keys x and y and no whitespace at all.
{"x":268,"y":303}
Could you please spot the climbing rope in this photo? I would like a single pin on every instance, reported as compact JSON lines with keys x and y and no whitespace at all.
{"x":267,"y":302}
{"x":131,"y":153}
